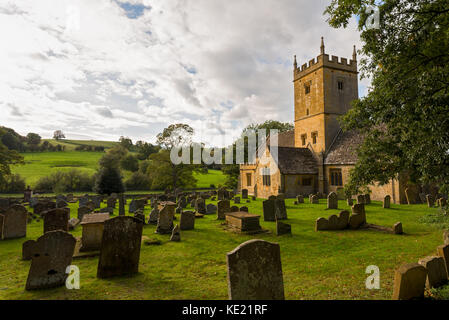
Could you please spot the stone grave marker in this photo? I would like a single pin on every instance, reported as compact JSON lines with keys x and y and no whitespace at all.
{"x":14,"y":222}
{"x":386,"y":203}
{"x":409,"y":282}
{"x":332,"y":201}
{"x":56,"y":219}
{"x":436,"y":271}
{"x":187,"y":220}
{"x":224,"y":206}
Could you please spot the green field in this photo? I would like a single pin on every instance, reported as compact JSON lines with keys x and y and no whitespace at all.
{"x":316,"y":265}
{"x":70,"y":145}
{"x":42,"y":164}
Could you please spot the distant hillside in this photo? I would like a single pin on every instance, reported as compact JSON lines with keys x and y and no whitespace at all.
{"x":70,"y":145}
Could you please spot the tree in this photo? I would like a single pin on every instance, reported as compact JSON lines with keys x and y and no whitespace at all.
{"x":126,"y":142}
{"x":163,"y":173}
{"x":145,"y":149}
{"x":108,"y":181}
{"x":129,"y":163}
{"x":113,"y":157}
{"x":404,"y":116}
{"x":33,"y":139}
{"x":58,"y":135}
{"x":176,"y":135}
{"x":7,"y":159}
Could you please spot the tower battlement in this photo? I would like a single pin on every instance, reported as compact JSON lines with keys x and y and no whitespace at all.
{"x":324,"y":60}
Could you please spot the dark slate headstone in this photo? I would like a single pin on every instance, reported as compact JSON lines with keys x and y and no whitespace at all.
{"x":255,"y":271}
{"x":244,"y":193}
{"x":120,"y":247}
{"x":15,"y":222}
{"x":269,"y":210}
{"x":211,"y":209}
{"x":187,"y":220}
{"x":51,"y":255}
{"x":56,"y":219}
{"x":82,"y":211}
{"x":224,"y":206}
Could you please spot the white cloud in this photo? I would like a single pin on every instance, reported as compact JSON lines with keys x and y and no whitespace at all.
{"x":215,"y":65}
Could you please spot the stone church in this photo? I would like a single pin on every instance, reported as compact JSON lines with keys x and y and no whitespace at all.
{"x":317,"y":155}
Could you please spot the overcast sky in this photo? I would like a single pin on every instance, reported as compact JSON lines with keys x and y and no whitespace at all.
{"x":99,"y":69}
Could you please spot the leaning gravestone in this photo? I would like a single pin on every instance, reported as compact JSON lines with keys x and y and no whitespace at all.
{"x":120,"y":247}
{"x":409,"y":282}
{"x":14,"y":222}
{"x":255,"y":271}
{"x":269,"y":210}
{"x":436,"y":271}
{"x":51,"y":255}
{"x":154,"y":215}
{"x":56,"y":219}
{"x":332,"y":201}
{"x":224,"y":206}
{"x":176,"y":234}
{"x":165,"y":221}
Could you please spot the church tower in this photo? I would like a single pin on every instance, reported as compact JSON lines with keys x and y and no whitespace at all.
{"x":324,"y":89}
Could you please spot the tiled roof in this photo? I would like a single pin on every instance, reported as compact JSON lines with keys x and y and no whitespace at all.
{"x":95,"y":218}
{"x":296,"y":161}
{"x":343,"y":150}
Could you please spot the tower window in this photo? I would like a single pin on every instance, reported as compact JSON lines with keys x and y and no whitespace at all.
{"x":303,"y":139}
{"x":340,"y":85}
{"x":314,"y":137}
{"x":307,"y":89}
{"x":336,"y":178}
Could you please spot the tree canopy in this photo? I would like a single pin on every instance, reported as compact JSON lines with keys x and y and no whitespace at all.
{"x":405,"y":115}
{"x":7,"y":158}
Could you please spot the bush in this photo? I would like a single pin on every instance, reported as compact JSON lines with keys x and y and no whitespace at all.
{"x":138,"y":181}
{"x":129,"y":163}
{"x":66,"y":181}
{"x":14,"y":184}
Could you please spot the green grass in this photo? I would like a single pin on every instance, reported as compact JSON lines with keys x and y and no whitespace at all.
{"x":70,"y":145}
{"x":41,"y":164}
{"x":316,"y":265}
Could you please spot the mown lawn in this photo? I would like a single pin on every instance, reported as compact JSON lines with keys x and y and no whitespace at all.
{"x":316,"y":265}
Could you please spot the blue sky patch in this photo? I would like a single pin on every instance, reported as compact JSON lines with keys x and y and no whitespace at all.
{"x":133,"y":11}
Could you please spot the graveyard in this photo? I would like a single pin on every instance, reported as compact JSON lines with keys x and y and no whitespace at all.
{"x":315,"y":265}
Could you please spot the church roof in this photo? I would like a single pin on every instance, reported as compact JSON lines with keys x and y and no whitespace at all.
{"x":296,"y":161}
{"x":343,"y":149}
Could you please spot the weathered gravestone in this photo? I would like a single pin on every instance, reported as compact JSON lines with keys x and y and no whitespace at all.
{"x":430,"y":200}
{"x":211,"y":209}
{"x":283,"y":228}
{"x":61,"y":203}
{"x":93,"y":226}
{"x":83,"y":201}
{"x":436,"y":271}
{"x":244,"y":193}
{"x":187,"y":220}
{"x":176,"y":234}
{"x":409,"y":282}
{"x":51,"y":255}
{"x":154,"y":215}
{"x":56,"y":219}
{"x":111,"y":202}
{"x":165,"y":220}
{"x":121,"y":204}
{"x":332,"y":201}
{"x":314,"y":199}
{"x":224,"y":206}
{"x":28,"y":249}
{"x":280,"y":209}
{"x":235,"y":209}
{"x":14,"y":223}
{"x":443,"y":252}
{"x":200,"y":206}
{"x":42,"y":207}
{"x":269,"y":210}
{"x":334,"y":222}
{"x":244,"y":209}
{"x":83,"y":211}
{"x":387,"y":201}
{"x":300,"y":199}
{"x":358,"y":217}
{"x":255,"y":271}
{"x":243,"y":221}
{"x":120,"y":247}
{"x":397,"y":228}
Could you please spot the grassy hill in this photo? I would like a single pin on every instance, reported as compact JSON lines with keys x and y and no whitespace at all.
{"x":70,"y":145}
{"x":40,"y":164}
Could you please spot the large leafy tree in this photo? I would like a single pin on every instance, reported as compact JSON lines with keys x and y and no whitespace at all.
{"x":7,"y":158}
{"x":405,"y":115}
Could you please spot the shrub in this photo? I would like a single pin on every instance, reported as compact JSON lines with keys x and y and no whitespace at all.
{"x":66,"y":181}
{"x":14,"y":184}
{"x":129,"y":163}
{"x":108,"y":181}
{"x":138,"y":181}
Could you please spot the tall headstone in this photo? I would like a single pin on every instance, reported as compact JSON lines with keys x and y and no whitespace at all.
{"x":121,"y":204}
{"x":255,"y":272}
{"x":332,"y":201}
{"x":51,"y":255}
{"x":387,"y":200}
{"x":14,"y":222}
{"x":187,"y":220}
{"x":120,"y":247}
{"x":280,"y":209}
{"x":165,"y":220}
{"x":269,"y":210}
{"x":224,"y":206}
